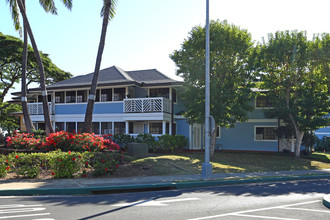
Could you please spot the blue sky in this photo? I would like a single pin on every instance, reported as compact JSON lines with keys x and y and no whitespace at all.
{"x":144,"y":32}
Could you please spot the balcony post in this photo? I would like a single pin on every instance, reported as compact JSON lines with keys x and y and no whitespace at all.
{"x":126,"y":127}
{"x":164,"y":127}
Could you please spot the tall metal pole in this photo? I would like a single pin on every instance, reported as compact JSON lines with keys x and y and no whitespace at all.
{"x":207,"y":166}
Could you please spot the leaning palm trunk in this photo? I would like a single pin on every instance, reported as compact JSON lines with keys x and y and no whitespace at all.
{"x":26,"y":115}
{"x":48,"y":125}
{"x":92,"y":94}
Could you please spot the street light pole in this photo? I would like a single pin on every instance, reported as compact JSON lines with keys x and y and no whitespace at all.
{"x":207,"y":166}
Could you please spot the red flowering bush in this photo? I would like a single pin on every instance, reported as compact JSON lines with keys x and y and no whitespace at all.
{"x":64,"y":141}
{"x":23,"y":141}
{"x":78,"y":142}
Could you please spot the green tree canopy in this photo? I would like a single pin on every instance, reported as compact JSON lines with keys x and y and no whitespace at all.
{"x":295,"y":71}
{"x":230,"y":73}
{"x":11,"y":49}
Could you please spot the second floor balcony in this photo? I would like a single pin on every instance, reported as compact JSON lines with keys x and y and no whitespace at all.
{"x":146,"y":105}
{"x":37,"y":109}
{"x":130,"y":105}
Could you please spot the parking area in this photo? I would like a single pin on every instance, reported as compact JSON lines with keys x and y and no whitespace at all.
{"x":296,"y":211}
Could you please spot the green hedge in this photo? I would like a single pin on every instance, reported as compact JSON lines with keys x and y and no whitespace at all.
{"x":60,"y":164}
{"x":164,"y":143}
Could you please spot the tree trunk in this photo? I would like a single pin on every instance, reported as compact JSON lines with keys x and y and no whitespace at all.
{"x":299,"y":135}
{"x":48,"y":124}
{"x":213,"y":140}
{"x":28,"y":123}
{"x":92,"y":95}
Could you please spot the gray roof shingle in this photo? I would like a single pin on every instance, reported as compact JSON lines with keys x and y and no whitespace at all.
{"x":116,"y":76}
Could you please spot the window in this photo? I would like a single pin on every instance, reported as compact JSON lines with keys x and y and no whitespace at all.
{"x":174,"y":94}
{"x":80,"y":126}
{"x":41,"y":126}
{"x":160,"y":92}
{"x":71,"y":126}
{"x":262,"y":101}
{"x":218,"y":132}
{"x":119,"y":94}
{"x":167,"y":128}
{"x":106,"y":95}
{"x":156,"y":128}
{"x":82,"y":96}
{"x":70,"y":97}
{"x":131,"y":128}
{"x":96,"y":127}
{"x":119,"y":128}
{"x":106,"y":127}
{"x":59,"y":97}
{"x":49,"y":98}
{"x":265,"y":133}
{"x":97,"y":95}
{"x":59,"y":126}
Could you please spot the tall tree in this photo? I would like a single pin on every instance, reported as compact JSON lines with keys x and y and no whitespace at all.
{"x":107,"y":12}
{"x":48,"y":5}
{"x":11,"y":49}
{"x":295,"y":71}
{"x":230,"y":74}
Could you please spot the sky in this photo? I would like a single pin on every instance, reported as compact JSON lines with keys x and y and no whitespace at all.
{"x":144,"y":33}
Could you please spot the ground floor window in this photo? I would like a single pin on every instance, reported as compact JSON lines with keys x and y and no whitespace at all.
{"x":218,"y":132}
{"x":156,"y":128}
{"x":96,"y":127}
{"x":59,"y":126}
{"x":71,"y":126}
{"x":119,"y":128}
{"x":265,"y":133}
{"x":106,"y":127}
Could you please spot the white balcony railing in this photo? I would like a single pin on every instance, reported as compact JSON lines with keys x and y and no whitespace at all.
{"x":36,"y":108}
{"x":142,"y":105}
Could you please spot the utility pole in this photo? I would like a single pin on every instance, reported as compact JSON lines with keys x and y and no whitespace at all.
{"x":207,"y":166}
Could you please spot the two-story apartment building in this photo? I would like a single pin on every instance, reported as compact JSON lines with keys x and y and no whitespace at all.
{"x":144,"y":101}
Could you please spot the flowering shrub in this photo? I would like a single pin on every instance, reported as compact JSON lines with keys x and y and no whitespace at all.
{"x":4,"y":165}
{"x":27,"y":165}
{"x":105,"y":163}
{"x":78,"y":142}
{"x":64,"y":141}
{"x":23,"y":141}
{"x":66,"y":164}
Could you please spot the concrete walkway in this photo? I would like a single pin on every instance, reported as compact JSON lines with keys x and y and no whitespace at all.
{"x":126,"y":184}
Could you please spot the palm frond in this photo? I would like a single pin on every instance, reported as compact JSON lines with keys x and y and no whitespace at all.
{"x":49,"y":6}
{"x":112,"y":11}
{"x":15,"y":15}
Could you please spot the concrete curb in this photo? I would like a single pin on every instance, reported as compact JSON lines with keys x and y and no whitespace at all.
{"x":156,"y":186}
{"x":326,"y":201}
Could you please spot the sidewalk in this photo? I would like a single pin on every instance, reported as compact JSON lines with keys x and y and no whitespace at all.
{"x":127,"y":184}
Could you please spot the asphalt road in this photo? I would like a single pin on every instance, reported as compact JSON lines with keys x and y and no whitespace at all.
{"x":279,"y":200}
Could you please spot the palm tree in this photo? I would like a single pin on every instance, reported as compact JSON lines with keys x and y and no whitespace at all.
{"x":107,"y":12}
{"x":49,"y":6}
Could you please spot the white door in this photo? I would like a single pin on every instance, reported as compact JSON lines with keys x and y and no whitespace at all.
{"x":197,"y":139}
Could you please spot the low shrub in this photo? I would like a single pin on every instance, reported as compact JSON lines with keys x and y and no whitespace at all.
{"x":66,"y":164}
{"x":123,"y":139}
{"x":27,"y":165}
{"x":60,"y":164}
{"x":4,"y":165}
{"x":323,"y":144}
{"x":105,"y":163}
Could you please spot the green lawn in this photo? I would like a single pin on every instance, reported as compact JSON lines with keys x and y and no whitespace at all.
{"x":223,"y":162}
